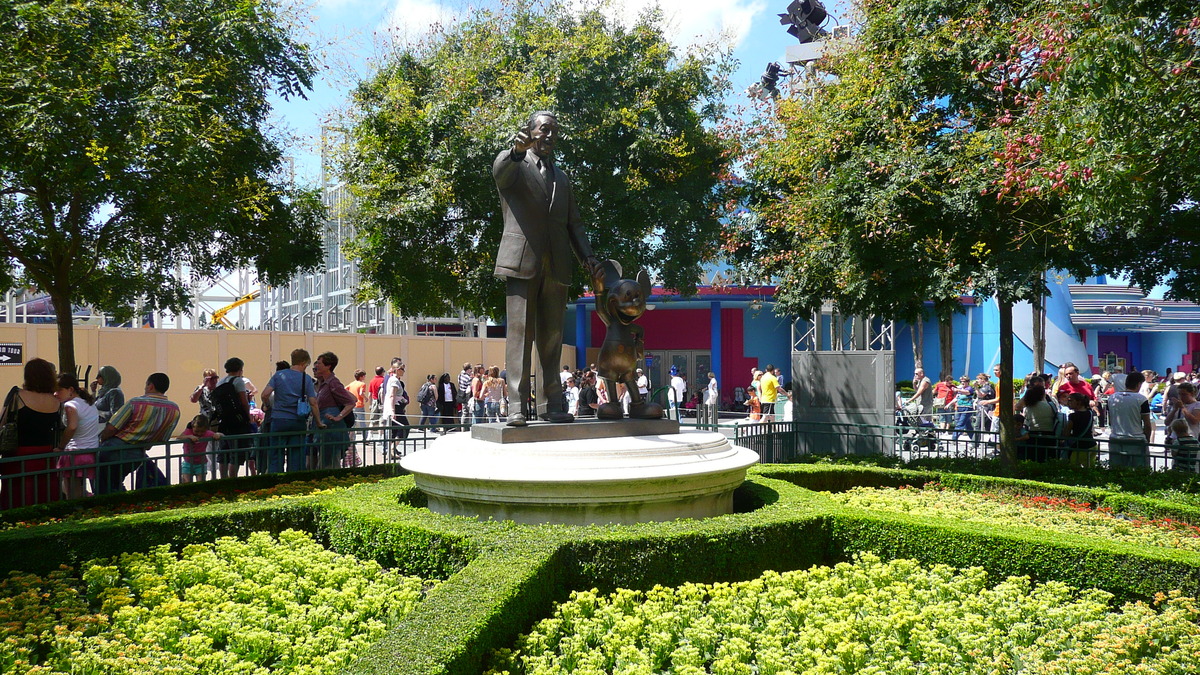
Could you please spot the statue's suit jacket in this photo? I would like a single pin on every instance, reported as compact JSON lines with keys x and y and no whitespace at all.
{"x":541,"y":222}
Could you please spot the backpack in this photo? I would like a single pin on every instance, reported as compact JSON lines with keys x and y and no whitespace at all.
{"x":426,"y":395}
{"x":231,"y":417}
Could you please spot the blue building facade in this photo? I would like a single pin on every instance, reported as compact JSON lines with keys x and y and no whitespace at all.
{"x":1096,"y":324}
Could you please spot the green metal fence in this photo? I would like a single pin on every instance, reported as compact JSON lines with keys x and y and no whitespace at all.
{"x":36,"y":478}
{"x":783,"y":442}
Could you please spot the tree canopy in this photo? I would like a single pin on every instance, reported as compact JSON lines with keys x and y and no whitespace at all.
{"x":133,"y":140}
{"x":962,"y":146}
{"x":967,"y":147}
{"x":639,"y":144}
{"x":1113,"y":131}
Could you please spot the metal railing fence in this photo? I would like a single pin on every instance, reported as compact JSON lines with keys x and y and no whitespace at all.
{"x":784,"y":442}
{"x":41,"y":477}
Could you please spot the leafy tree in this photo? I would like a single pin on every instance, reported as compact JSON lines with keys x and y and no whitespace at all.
{"x":638,"y":142}
{"x":876,"y":182}
{"x":132,"y":141}
{"x":970,"y":146}
{"x":1115,"y":127}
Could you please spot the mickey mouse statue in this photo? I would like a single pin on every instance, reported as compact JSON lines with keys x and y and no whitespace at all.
{"x":619,"y":302}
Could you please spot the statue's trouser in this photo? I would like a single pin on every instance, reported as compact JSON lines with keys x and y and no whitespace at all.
{"x":536,"y":308}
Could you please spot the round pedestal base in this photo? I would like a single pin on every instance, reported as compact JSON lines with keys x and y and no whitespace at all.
{"x":631,"y":479}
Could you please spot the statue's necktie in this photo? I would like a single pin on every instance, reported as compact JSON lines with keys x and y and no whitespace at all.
{"x":547,"y":171}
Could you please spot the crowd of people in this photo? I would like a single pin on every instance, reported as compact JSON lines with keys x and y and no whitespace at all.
{"x":65,"y":440}
{"x":75,"y":439}
{"x":59,"y":435}
{"x":1060,"y":416}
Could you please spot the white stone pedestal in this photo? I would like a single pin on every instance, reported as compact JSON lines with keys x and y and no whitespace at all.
{"x":626,"y":479}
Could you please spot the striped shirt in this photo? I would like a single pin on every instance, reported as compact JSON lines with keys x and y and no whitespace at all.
{"x":145,"y":419}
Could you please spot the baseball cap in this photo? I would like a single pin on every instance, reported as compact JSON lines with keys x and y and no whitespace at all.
{"x":639,"y":370}
{"x":1179,"y":375}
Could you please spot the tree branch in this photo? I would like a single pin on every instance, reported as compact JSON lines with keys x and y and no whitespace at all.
{"x":106,"y":230}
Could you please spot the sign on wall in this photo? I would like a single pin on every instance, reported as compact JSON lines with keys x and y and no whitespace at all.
{"x":10,"y":354}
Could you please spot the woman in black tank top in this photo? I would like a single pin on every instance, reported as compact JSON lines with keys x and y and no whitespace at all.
{"x":37,"y":433}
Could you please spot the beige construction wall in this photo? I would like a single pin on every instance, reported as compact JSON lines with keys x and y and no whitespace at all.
{"x":184,"y":354}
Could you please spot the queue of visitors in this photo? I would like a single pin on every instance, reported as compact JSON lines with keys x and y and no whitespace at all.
{"x":61,"y":436}
{"x":63,"y":440}
{"x":1059,"y":417}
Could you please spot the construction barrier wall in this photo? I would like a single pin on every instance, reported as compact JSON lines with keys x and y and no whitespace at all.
{"x":184,"y":354}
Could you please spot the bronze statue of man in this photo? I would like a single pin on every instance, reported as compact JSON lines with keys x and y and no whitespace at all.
{"x":542,"y":230}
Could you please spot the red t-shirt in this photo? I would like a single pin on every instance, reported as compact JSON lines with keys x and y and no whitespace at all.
{"x":1080,"y":387}
{"x":374,"y":386}
{"x":942,"y":390}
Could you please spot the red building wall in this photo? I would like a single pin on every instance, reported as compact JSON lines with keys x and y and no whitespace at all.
{"x":671,"y":329}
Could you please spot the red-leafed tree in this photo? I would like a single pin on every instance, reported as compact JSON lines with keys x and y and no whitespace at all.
{"x":960,"y":146}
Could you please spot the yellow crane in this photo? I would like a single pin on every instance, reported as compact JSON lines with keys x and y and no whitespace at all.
{"x":218,"y":317}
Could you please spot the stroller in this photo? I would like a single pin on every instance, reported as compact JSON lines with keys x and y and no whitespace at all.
{"x":917,"y":432}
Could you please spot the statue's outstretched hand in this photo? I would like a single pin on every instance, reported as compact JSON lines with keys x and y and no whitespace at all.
{"x":522,"y":142}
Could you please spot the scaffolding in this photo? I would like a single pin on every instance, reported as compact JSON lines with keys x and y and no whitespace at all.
{"x":325,"y":301}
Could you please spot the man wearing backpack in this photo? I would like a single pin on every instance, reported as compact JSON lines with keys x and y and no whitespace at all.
{"x":232,"y":410}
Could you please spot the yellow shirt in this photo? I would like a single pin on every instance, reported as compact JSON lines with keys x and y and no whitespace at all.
{"x":770,"y":388}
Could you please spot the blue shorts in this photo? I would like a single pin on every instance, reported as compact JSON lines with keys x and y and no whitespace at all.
{"x":189,"y":469}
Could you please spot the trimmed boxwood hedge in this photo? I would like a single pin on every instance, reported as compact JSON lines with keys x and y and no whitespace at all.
{"x":184,"y":490}
{"x":500,"y":577}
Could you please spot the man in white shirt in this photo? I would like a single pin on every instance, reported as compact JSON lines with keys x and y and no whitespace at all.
{"x":712,"y":400}
{"x":571,"y":392}
{"x":678,"y":393}
{"x":643,"y":384}
{"x":1132,"y":428}
{"x":564,"y":375}
{"x":1188,"y":408}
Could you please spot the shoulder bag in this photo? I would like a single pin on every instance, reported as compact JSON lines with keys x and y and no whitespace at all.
{"x":8,"y":430}
{"x":303,"y":409}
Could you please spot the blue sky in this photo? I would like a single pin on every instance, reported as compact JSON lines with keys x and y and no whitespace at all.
{"x":349,"y":33}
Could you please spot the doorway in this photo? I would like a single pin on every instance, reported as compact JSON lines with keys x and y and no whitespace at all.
{"x":693,"y":365}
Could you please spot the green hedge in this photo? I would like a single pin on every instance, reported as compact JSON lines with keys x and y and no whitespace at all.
{"x":501,"y":577}
{"x":184,"y":490}
{"x":43,"y":548}
{"x":841,"y":477}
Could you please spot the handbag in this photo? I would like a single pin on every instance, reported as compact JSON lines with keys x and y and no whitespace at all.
{"x":8,"y":431}
{"x":303,"y":409}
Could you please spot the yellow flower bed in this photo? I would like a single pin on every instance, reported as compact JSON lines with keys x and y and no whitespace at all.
{"x":1049,"y":513}
{"x":259,"y":606}
{"x":869,"y":618}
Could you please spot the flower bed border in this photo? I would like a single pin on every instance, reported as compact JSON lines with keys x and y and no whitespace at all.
{"x":501,"y":577}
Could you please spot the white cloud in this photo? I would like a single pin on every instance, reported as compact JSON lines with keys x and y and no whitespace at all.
{"x":690,"y":22}
{"x":410,"y":20}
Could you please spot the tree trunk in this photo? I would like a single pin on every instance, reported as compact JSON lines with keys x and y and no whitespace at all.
{"x":63,"y":317}
{"x":946,"y":344}
{"x":918,"y":333}
{"x":1039,"y":333}
{"x":1008,"y":454}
